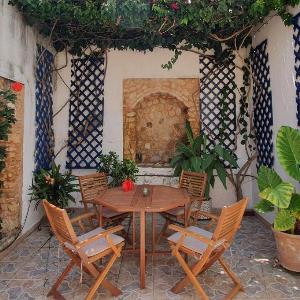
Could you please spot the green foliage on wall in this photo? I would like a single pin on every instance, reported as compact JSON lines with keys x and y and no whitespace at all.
{"x":144,"y":24}
{"x":7,"y":119}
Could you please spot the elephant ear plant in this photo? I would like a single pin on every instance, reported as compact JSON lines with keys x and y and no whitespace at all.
{"x":277,"y":194}
{"x":196,"y":156}
{"x":53,"y":185}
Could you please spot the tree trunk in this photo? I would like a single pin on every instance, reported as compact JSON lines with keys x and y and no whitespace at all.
{"x":238,"y":189}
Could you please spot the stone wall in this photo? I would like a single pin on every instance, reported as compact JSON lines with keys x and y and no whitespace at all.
{"x":183,"y":101}
{"x":160,"y":122}
{"x":11,"y":193}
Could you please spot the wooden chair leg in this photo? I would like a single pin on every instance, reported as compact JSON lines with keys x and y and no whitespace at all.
{"x":54,"y":292}
{"x":101,"y":277}
{"x":94,"y":271}
{"x":237,"y":283}
{"x":163,"y":231}
{"x":191,"y":276}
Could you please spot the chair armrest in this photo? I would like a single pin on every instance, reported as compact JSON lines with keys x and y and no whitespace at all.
{"x":192,"y":234}
{"x":103,"y":234}
{"x":83,"y":216}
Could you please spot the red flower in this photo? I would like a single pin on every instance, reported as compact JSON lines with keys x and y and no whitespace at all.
{"x":174,"y":6}
{"x":16,"y":86}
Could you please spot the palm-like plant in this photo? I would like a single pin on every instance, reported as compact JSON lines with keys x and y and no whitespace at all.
{"x":196,"y":156}
{"x":54,"y":186}
{"x":276,"y":193}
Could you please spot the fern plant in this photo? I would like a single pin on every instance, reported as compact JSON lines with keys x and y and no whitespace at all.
{"x":277,"y":194}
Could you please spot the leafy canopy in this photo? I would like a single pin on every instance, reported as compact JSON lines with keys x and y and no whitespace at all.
{"x":145,"y":24}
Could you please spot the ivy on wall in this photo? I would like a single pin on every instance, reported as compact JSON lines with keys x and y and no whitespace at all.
{"x":7,"y":119}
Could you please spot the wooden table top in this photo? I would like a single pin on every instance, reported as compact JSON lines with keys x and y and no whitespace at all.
{"x":159,"y":198}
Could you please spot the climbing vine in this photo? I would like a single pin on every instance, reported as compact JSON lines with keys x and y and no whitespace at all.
{"x":208,"y":27}
{"x":7,"y":119}
{"x":144,"y":24}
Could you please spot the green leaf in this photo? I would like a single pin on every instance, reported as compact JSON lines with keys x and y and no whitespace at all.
{"x":187,"y":151}
{"x":198,"y":142}
{"x":295,"y":203}
{"x":226,"y":155}
{"x":288,"y":150}
{"x":189,"y":132}
{"x":284,"y":220}
{"x":267,"y":178}
{"x":196,"y":164}
{"x":264,"y":206}
{"x":280,"y":195}
{"x":221,"y":173}
{"x":207,"y":160}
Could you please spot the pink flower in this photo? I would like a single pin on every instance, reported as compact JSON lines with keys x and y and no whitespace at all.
{"x":174,"y":6}
{"x":16,"y":86}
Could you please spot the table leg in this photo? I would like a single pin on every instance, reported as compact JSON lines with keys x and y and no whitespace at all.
{"x":153,"y":231}
{"x":100,"y":215}
{"x":133,"y":231}
{"x":142,"y":251}
{"x":186,"y":210}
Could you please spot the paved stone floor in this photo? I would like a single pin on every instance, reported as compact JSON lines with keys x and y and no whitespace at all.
{"x":29,"y":270}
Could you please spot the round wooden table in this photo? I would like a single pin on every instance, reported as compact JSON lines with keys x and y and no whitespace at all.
{"x":160,"y":198}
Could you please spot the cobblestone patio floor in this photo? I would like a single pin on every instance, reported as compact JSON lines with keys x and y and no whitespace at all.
{"x":30,"y":269}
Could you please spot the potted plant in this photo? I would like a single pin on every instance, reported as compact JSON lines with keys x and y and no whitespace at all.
{"x":196,"y":156}
{"x":54,"y":186}
{"x":281,"y":196}
{"x":118,"y":170}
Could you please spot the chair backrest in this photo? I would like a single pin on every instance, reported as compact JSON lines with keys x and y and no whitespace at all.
{"x":91,"y":185}
{"x":194,"y":182}
{"x":60,"y":223}
{"x":229,"y":221}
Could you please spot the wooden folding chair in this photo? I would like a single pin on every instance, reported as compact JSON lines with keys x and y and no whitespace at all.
{"x":207,"y":248}
{"x":84,"y":250}
{"x":195,"y":184}
{"x":92,"y":186}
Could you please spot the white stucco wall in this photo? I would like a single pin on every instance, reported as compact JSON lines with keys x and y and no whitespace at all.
{"x":280,"y":48}
{"x":123,"y":65}
{"x":17,"y":62}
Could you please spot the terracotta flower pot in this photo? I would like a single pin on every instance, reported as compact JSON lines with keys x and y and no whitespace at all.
{"x":288,"y":248}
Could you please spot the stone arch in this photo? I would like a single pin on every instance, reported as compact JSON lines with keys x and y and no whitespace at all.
{"x":185,"y":90}
{"x":160,"y":124}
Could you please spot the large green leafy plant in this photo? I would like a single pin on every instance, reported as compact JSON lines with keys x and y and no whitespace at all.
{"x":277,"y":194}
{"x":196,"y":156}
{"x":53,"y":185}
{"x":118,"y":170}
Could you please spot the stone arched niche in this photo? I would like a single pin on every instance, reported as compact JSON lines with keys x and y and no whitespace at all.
{"x":154,"y":114}
{"x":160,"y":120}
